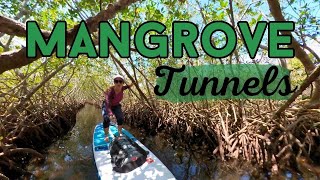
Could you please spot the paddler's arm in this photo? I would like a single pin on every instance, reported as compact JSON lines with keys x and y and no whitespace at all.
{"x":128,"y":86}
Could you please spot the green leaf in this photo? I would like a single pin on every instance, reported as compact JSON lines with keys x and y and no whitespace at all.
{"x":259,"y":17}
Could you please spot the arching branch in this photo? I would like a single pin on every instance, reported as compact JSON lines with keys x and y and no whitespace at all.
{"x":299,"y":52}
{"x":12,"y":60}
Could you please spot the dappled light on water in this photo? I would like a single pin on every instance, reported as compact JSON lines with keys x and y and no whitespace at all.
{"x":71,"y":157}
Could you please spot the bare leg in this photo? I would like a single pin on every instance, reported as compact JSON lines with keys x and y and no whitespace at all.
{"x":120,"y":130}
{"x":119,"y":116}
{"x":106,"y":132}
{"x":106,"y":123}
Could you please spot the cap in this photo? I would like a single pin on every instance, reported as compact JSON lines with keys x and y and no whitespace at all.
{"x":118,"y":76}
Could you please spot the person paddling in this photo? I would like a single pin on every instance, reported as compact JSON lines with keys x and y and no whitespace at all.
{"x":112,"y":106}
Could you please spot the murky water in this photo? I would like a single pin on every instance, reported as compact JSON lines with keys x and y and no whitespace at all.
{"x":71,"y":157}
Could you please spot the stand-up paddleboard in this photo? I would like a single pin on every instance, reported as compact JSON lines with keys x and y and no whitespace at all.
{"x":153,"y":168}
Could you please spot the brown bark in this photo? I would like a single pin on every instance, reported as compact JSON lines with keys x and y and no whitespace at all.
{"x":142,"y":74}
{"x":306,"y":83}
{"x":118,"y":69}
{"x":35,"y":89}
{"x":22,"y":150}
{"x":135,"y":83}
{"x":18,"y":59}
{"x":59,"y":91}
{"x":299,"y":52}
{"x":22,"y":12}
{"x":13,"y":27}
{"x":312,"y":52}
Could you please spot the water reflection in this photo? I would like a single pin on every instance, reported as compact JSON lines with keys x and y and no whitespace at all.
{"x":71,"y":157}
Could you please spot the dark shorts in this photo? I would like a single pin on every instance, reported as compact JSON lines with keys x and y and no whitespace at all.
{"x":117,"y":111}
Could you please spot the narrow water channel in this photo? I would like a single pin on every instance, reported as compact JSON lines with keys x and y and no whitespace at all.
{"x":71,"y":157}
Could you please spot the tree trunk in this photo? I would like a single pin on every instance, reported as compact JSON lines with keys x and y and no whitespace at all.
{"x":299,"y":53}
{"x":23,"y":100}
{"x":131,"y":78}
{"x":12,"y":60}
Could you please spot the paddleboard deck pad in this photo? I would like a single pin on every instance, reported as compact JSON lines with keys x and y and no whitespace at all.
{"x":141,"y":164}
